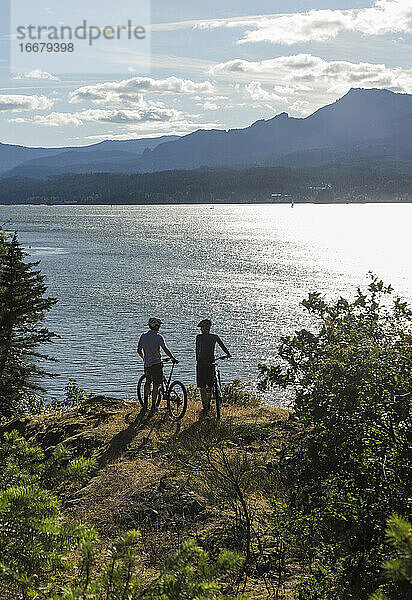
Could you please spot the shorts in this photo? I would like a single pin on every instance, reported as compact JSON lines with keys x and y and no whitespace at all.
{"x":154,"y":373}
{"x":205,"y":374}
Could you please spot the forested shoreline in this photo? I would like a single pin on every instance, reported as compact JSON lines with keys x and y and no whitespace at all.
{"x":253,"y":185}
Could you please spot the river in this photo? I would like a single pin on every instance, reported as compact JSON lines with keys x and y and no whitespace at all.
{"x":247,"y":267}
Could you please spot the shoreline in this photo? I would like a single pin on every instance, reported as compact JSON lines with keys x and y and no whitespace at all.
{"x":213,"y":202}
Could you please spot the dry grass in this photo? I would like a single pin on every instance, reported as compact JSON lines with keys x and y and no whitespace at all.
{"x":146,"y":474}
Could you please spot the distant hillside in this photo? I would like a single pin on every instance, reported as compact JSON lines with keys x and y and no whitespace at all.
{"x":109,"y":155}
{"x":361,"y":121}
{"x":11,"y":156}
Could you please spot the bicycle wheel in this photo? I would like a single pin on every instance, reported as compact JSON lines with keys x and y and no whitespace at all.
{"x":177,"y":400}
{"x":218,"y":397}
{"x":140,"y":389}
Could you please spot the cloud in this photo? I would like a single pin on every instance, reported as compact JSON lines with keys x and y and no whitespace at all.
{"x":128,"y":92}
{"x":124,"y":116}
{"x":124,"y":103}
{"x":147,"y":111}
{"x":300,"y":84}
{"x":305,"y":73}
{"x":208,"y":105}
{"x":319,"y":25}
{"x":18,"y":102}
{"x":211,"y":102}
{"x":36,"y":74}
{"x":259,"y":97}
{"x":284,"y":65}
{"x":57,"y":119}
{"x":255,"y":90}
{"x":300,"y":107}
{"x":203,"y":23}
{"x":385,"y":16}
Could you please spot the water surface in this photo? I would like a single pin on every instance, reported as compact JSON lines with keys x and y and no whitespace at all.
{"x":247,"y":267}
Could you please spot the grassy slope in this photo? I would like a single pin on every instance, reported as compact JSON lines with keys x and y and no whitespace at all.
{"x":150,"y":474}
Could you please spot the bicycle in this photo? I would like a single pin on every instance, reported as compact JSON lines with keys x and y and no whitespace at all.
{"x":174,"y":393}
{"x":217,"y":386}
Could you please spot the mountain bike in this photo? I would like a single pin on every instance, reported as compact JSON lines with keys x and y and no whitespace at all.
{"x":217,"y":386}
{"x":174,"y":392}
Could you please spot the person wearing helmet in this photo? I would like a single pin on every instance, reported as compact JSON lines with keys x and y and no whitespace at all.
{"x":149,"y":349}
{"x":205,"y":357}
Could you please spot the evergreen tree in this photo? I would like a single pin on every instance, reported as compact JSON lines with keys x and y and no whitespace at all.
{"x":34,"y":540}
{"x":397,"y":570}
{"x":23,"y":307}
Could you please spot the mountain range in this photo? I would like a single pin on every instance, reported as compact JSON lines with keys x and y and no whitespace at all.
{"x":110,"y":156}
{"x":365,"y":126}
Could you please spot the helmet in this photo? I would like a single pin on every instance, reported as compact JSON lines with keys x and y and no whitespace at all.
{"x":205,"y":323}
{"x":153,"y":321}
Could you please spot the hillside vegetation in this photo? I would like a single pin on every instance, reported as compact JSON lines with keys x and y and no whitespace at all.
{"x":163,"y":479}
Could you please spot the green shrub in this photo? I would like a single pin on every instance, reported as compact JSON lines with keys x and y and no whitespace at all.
{"x":352,"y":465}
{"x":35,"y":404}
{"x":188,"y":574}
{"x":73,"y":396}
{"x":36,"y":546}
{"x":34,"y":542}
{"x":103,"y":575}
{"x":398,"y":570}
{"x":237,"y":393}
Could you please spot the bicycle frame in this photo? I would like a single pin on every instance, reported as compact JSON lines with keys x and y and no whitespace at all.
{"x":217,"y":385}
{"x":166,"y":382}
{"x":217,"y":372}
{"x":173,"y":392}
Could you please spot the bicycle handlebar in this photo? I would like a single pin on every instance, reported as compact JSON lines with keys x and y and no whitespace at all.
{"x":168,"y":359}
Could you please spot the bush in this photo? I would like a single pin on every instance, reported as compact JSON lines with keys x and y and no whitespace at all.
{"x":73,"y":396}
{"x":103,"y":575}
{"x":237,"y":393}
{"x":352,"y":466}
{"x":399,"y":569}
{"x":36,"y":546}
{"x":33,"y":540}
{"x":34,"y":404}
{"x":188,"y":574}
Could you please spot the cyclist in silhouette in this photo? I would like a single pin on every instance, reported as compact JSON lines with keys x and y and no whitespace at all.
{"x":149,"y":349}
{"x":205,"y":357}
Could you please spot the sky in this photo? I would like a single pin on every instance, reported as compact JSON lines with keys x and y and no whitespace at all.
{"x":212,"y":65}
